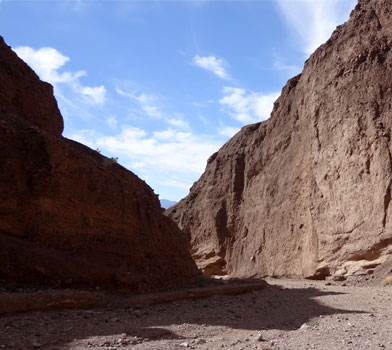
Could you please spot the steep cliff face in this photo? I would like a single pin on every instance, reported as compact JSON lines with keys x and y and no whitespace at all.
{"x":68,"y":215}
{"x":308,"y":192}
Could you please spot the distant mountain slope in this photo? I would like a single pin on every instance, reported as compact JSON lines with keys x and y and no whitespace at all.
{"x":166,"y":204}
{"x":308,"y":192}
{"x":68,"y":215}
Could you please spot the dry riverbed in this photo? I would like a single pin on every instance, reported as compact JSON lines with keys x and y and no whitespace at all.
{"x":288,"y":314}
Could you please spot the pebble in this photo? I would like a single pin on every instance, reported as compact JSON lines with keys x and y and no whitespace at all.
{"x":185,"y":345}
{"x":259,"y":337}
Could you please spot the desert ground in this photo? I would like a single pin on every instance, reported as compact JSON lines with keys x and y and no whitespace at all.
{"x":287,"y":314}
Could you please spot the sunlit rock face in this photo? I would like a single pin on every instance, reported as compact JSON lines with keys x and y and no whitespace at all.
{"x":308,"y":192}
{"x":68,"y":215}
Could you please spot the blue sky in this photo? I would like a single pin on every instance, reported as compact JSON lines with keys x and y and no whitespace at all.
{"x":163,"y":84}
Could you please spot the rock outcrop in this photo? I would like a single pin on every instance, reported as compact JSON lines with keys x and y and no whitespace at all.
{"x":308,"y":192}
{"x":22,"y":94}
{"x":68,"y":215}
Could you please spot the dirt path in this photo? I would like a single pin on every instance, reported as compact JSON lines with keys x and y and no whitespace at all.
{"x":288,"y":314}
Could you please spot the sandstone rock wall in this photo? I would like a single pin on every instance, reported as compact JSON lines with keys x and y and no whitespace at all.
{"x":68,"y":215}
{"x":308,"y":192}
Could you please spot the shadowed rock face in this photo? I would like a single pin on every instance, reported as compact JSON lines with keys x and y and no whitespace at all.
{"x":68,"y":215}
{"x":308,"y":192}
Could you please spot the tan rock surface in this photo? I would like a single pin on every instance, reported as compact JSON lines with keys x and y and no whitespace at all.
{"x":68,"y":215}
{"x":308,"y":192}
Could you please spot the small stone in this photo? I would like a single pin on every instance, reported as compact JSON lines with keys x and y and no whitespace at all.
{"x":258,"y":337}
{"x":185,"y":345}
{"x":304,"y":326}
{"x":36,"y":345}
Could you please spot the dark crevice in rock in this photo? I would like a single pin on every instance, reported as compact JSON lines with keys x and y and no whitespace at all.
{"x":321,"y":274}
{"x":373,"y":252}
{"x":238,"y":178}
{"x":387,"y":202}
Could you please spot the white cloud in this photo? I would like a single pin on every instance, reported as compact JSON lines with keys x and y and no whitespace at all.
{"x":182,"y":124}
{"x":149,"y":103}
{"x":112,"y":121}
{"x":289,"y":68}
{"x":227,"y":131}
{"x":314,"y":20}
{"x":212,"y":64}
{"x":248,"y":107}
{"x":95,"y":94}
{"x":177,"y":184}
{"x":175,"y":155}
{"x":47,"y":62}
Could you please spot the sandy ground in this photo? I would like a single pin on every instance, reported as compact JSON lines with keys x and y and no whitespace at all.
{"x":289,"y":314}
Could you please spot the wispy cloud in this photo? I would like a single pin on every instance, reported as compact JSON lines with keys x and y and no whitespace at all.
{"x":314,"y":20}
{"x":112,"y":122}
{"x":47,"y":63}
{"x":289,"y":68}
{"x":150,"y":105}
{"x":212,"y":64}
{"x":227,"y":131}
{"x":96,"y":94}
{"x":179,"y":123}
{"x":247,"y":106}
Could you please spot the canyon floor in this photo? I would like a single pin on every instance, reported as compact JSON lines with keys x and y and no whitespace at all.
{"x":287,"y":314}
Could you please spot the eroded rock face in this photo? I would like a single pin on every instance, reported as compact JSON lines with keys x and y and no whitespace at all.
{"x":68,"y":215}
{"x":308,"y":192}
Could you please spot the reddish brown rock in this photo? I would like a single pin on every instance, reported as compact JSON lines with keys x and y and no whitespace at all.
{"x":68,"y":215}
{"x":308,"y":192}
{"x":22,"y":93}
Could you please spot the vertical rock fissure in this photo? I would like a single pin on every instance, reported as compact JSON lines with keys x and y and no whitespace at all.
{"x":387,"y":202}
{"x":315,"y":125}
{"x":238,"y":178}
{"x":387,"y":196}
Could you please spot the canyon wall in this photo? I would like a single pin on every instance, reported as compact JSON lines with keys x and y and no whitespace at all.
{"x":308,"y":192}
{"x":68,"y":215}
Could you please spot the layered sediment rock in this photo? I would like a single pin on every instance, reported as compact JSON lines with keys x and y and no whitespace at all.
{"x":68,"y":215}
{"x":308,"y":192}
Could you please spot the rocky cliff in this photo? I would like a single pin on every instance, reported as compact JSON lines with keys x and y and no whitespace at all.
{"x":308,"y":192}
{"x":68,"y":215}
